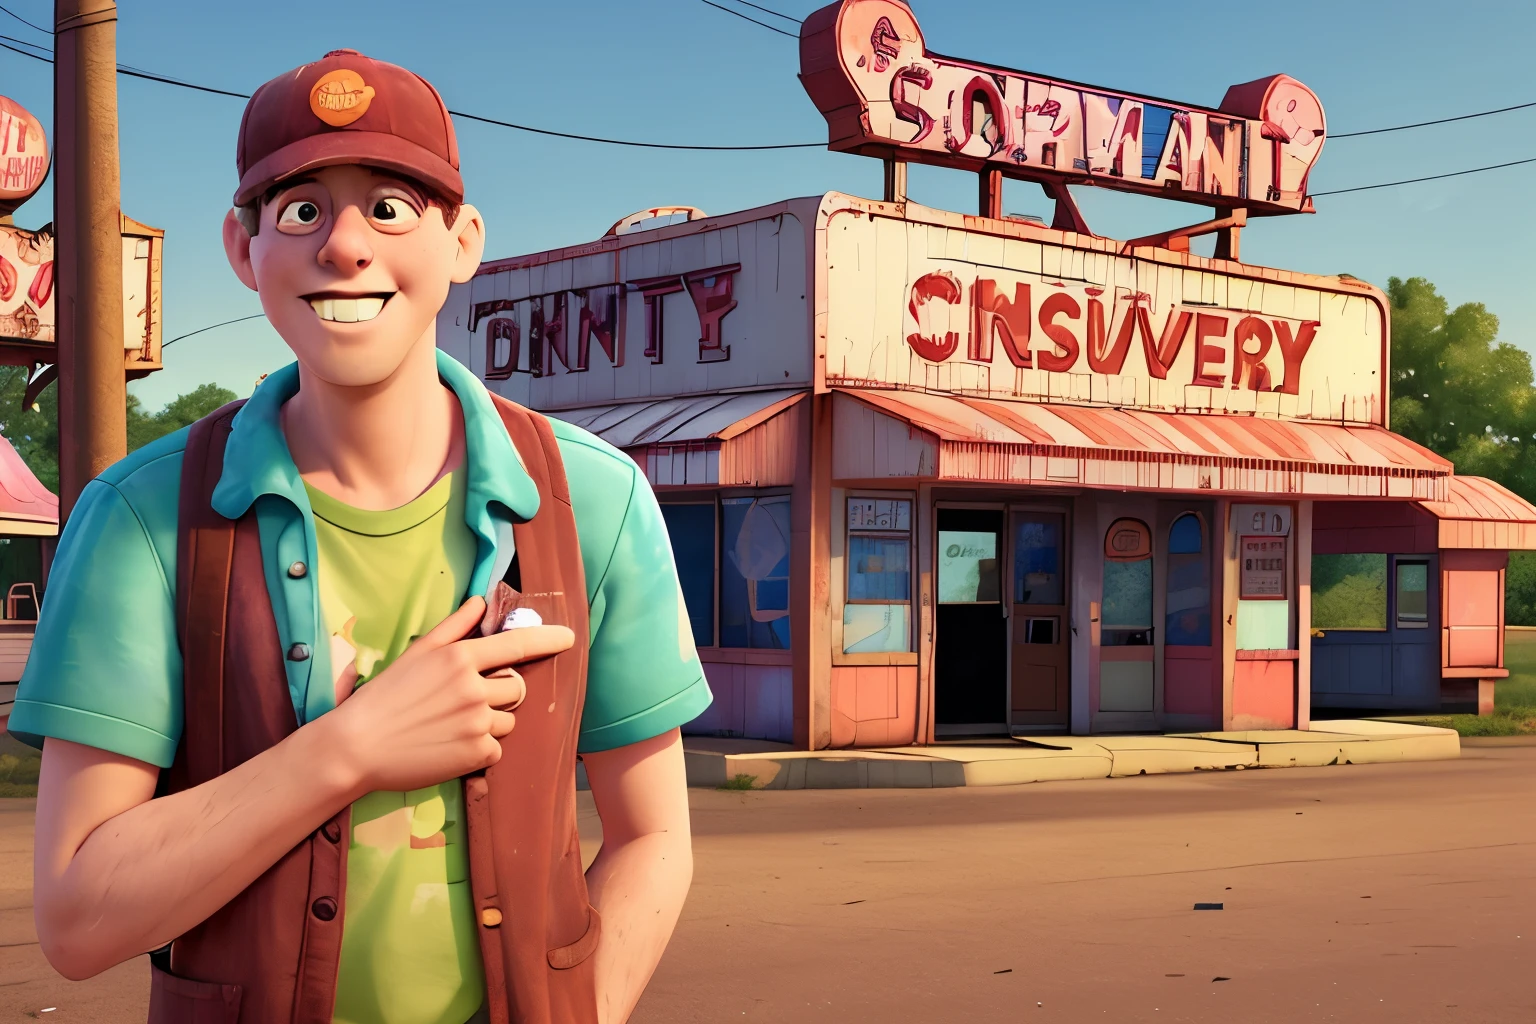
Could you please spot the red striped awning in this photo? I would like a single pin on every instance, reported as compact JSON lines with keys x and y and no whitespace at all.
{"x":1029,"y":442}
{"x":26,"y":506}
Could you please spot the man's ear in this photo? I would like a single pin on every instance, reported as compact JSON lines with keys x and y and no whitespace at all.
{"x":237,"y":246}
{"x":469,"y":230}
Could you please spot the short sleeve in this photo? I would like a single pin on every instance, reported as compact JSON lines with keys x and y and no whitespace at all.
{"x":105,"y":666}
{"x":643,"y":675}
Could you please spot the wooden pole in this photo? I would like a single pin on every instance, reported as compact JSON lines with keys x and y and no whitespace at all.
{"x":89,"y":258}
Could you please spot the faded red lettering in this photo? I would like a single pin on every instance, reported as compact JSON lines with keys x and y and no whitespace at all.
{"x":553,"y":332}
{"x":905,"y":109}
{"x":1162,"y":351}
{"x":1293,"y":351}
{"x":1112,"y":360}
{"x":1056,"y":305}
{"x":499,"y":330}
{"x":711,"y":293}
{"x":1010,"y":320}
{"x":1209,"y":326}
{"x":941,"y":287}
{"x":1248,"y":365}
{"x":600,"y":319}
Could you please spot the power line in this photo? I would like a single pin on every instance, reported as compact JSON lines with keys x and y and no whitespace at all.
{"x":748,"y":17}
{"x":641,"y":145}
{"x":134,"y":72}
{"x":166,"y":344}
{"x":1442,"y":120}
{"x":768,"y":10}
{"x":24,"y":21}
{"x":1432,"y":177}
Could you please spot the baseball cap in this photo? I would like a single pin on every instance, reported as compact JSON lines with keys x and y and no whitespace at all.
{"x":346,"y":108}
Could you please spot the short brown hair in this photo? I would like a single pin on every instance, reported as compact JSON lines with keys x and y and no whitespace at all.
{"x":249,"y":214}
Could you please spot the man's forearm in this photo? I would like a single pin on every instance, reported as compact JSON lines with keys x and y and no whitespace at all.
{"x":162,"y":866}
{"x":638,"y":887}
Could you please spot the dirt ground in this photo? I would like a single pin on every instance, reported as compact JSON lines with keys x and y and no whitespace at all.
{"x":1390,"y":893}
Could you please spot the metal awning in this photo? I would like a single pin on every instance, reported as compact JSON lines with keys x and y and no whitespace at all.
{"x":1478,"y":513}
{"x":740,"y":439}
{"x":952,"y":437}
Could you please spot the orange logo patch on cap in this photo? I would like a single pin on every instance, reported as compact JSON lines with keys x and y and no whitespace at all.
{"x":340,"y":98}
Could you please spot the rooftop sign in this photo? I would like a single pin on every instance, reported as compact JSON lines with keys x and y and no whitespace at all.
{"x":884,"y":93}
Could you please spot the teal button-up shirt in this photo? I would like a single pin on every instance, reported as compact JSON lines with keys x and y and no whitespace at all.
{"x":105,"y":668}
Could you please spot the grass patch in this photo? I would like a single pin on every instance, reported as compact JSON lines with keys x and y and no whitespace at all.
{"x":18,"y":775}
{"x":739,"y":782}
{"x":1514,"y":699}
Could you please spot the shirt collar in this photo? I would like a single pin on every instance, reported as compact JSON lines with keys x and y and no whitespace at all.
{"x":257,"y":460}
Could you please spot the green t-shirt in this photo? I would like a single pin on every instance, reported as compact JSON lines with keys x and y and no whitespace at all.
{"x":409,"y":953}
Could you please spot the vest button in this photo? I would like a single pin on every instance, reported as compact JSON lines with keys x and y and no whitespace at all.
{"x":331,"y":831}
{"x":324,"y":908}
{"x":298,"y":652}
{"x":297,"y":570}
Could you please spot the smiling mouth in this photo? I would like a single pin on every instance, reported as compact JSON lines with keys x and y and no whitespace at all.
{"x":347,"y":309}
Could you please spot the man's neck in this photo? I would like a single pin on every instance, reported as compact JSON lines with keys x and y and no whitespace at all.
{"x":380,"y":446}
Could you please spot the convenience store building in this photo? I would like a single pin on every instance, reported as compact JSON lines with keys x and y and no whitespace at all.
{"x":932,"y":474}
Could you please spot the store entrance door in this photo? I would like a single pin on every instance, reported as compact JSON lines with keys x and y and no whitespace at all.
{"x":1042,"y":690}
{"x":970,"y":678}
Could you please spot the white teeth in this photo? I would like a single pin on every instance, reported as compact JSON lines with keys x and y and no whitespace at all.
{"x":348,"y":311}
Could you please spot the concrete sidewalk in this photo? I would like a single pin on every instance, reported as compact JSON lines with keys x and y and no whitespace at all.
{"x":756,"y":764}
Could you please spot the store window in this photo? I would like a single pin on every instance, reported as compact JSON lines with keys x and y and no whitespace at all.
{"x":1350,"y":591}
{"x":877,"y":610}
{"x":1412,"y":595}
{"x":1188,"y":618}
{"x":1126,"y":618}
{"x":691,"y":527}
{"x":754,"y":572}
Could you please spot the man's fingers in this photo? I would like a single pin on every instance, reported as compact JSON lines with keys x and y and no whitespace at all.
{"x":505,"y":691}
{"x":455,"y":627}
{"x":501,"y":723}
{"x":518,"y":645}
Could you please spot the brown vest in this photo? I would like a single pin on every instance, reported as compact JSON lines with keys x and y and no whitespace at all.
{"x":270,"y":955}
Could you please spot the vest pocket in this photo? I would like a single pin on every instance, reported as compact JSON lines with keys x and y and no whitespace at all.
{"x":174,"y":1000}
{"x":564,"y":958}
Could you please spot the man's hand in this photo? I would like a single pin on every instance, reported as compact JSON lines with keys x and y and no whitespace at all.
{"x":434,"y":714}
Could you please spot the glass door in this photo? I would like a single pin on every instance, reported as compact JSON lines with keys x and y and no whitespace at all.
{"x":1041,"y":680}
{"x":1127,"y":672}
{"x":970,"y":646}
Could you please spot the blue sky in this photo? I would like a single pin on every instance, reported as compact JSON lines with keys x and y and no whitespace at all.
{"x":680,"y":71}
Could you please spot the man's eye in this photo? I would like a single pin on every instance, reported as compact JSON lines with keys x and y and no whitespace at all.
{"x":394,"y":211}
{"x":301,"y":214}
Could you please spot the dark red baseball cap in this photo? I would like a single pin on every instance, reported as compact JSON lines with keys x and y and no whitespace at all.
{"x":346,"y":108}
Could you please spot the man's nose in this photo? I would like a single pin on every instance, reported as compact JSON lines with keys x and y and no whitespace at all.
{"x":348,"y":248}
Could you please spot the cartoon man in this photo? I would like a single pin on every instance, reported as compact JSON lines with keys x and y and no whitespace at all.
{"x":273,"y":738}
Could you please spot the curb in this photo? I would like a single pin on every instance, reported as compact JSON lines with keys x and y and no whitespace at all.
{"x":1065,"y":758}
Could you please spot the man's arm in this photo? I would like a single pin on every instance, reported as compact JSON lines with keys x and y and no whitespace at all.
{"x":117,"y":873}
{"x":641,"y":875}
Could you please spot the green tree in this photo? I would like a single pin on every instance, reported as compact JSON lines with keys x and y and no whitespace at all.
{"x":34,"y":433}
{"x":1458,"y":390}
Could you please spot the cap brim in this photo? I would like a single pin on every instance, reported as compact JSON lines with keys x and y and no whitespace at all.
{"x":337,"y":148}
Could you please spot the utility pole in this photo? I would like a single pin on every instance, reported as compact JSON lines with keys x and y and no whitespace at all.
{"x":93,"y":429}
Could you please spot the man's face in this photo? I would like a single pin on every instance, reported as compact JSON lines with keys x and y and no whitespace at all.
{"x":352,"y":266}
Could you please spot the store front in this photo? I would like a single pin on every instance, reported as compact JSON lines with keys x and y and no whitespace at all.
{"x":930,"y":474}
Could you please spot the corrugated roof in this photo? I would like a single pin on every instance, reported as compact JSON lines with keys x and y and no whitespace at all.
{"x":677,"y":420}
{"x":1475,"y":497}
{"x":1032,"y":424}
